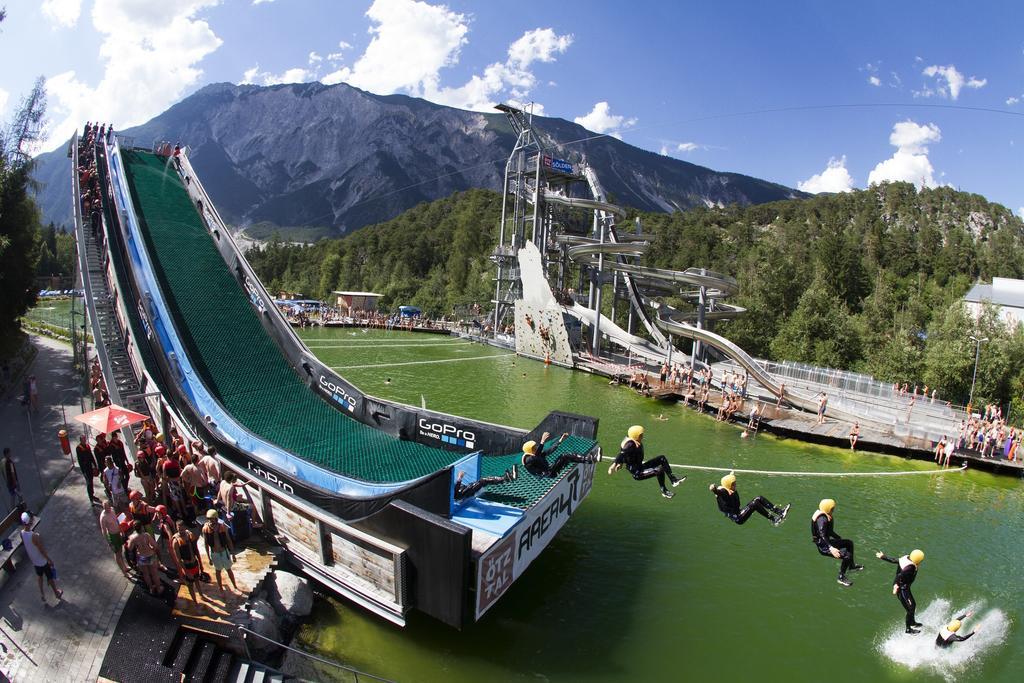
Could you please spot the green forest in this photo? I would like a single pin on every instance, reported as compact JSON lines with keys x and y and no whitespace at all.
{"x":869,"y":280}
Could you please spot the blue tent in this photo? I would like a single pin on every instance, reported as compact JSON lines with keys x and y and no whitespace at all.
{"x":409,"y":311}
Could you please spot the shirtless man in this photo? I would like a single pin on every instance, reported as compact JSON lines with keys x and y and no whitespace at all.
{"x":111,"y":528}
{"x":194,"y":482}
{"x":220,"y":550}
{"x":211,"y":468}
{"x":147,"y":556}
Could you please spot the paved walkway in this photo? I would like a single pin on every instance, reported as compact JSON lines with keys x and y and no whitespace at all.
{"x":32,"y":435}
{"x":64,"y":641}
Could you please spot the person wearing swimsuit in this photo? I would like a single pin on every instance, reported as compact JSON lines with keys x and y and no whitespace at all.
{"x":906,"y":572}
{"x":535,"y":460}
{"x":631,"y":456}
{"x":186,"y":557}
{"x":142,"y":542}
{"x":948,"y":635}
{"x":729,"y":503}
{"x":829,"y":543}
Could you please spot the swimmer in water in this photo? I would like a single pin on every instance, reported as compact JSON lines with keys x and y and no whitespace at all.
{"x":729,"y":503}
{"x":631,"y":456}
{"x":535,"y":458}
{"x":948,"y":635}
{"x":661,"y":417}
{"x":387,"y":380}
{"x":829,"y":543}
{"x":906,"y":572}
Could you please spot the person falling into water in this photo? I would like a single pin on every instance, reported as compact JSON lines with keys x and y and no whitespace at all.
{"x":949,"y":633}
{"x":631,"y":456}
{"x":830,"y":544}
{"x":906,"y":572}
{"x":729,"y":503}
{"x":535,"y":458}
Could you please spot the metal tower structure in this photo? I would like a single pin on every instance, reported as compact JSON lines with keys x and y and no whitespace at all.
{"x":529,"y":173}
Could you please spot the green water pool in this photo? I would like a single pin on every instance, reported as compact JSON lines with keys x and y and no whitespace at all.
{"x":639,"y":588}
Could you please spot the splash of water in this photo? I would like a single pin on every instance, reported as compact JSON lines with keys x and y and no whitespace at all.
{"x":920,"y":651}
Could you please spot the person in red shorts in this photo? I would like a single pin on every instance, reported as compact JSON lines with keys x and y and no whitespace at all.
{"x":187,"y":559}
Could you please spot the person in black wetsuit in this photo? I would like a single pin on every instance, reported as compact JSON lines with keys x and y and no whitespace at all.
{"x":905,"y":575}
{"x":729,"y":503}
{"x":829,"y":543}
{"x":463,"y":491}
{"x":535,"y":458}
{"x":948,"y":635}
{"x":631,"y":456}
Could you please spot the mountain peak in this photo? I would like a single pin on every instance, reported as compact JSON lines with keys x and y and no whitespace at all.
{"x":309,"y":154}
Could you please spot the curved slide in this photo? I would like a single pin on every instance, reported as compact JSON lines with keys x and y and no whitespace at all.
{"x":610,"y":210}
{"x":668,"y":320}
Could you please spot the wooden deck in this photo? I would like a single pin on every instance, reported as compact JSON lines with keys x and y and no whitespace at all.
{"x":796,"y":424}
{"x":252,"y":564}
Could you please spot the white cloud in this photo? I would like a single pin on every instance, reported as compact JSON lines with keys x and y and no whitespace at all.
{"x":664,"y":151}
{"x":954,"y":82}
{"x":875,"y":81}
{"x":342,"y":45}
{"x":294,"y":75}
{"x":601,"y":120}
{"x":413,"y":41}
{"x":688,"y":147}
{"x":62,"y":12}
{"x":260,"y":2}
{"x":914,"y":138}
{"x":314,"y":58}
{"x":835,"y":178}
{"x":1012,"y":100}
{"x":910,"y":163}
{"x":538,"y":45}
{"x":151,"y":53}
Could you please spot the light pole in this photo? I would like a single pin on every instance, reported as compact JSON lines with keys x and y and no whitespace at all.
{"x":977,"y":352}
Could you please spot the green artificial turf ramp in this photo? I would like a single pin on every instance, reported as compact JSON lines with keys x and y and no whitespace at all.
{"x":247,"y":372}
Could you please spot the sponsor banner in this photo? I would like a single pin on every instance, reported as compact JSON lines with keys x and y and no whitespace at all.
{"x":446,"y":432}
{"x":339,"y":393}
{"x":254,"y":296}
{"x":269,"y":476}
{"x":506,"y":560}
{"x":559,"y":165}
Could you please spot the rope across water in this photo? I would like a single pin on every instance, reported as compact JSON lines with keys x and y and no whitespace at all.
{"x":772,"y":473}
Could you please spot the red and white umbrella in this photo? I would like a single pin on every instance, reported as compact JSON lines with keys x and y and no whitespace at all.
{"x":110,"y":418}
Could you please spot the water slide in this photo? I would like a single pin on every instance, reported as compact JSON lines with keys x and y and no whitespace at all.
{"x":232,"y":372}
{"x":668,"y":320}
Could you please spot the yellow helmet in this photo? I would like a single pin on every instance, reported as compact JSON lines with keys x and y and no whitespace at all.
{"x":160,"y":437}
{"x":728,"y":481}
{"x":827,"y":505}
{"x":635,"y":432}
{"x":954,"y":626}
{"x":530,"y":447}
{"x":916,"y":556}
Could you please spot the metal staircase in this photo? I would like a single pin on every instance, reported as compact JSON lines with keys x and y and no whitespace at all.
{"x":108,"y":338}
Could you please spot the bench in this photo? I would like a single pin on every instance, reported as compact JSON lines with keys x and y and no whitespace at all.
{"x":10,"y":529}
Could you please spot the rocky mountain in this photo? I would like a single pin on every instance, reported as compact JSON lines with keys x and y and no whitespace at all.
{"x":342,"y":158}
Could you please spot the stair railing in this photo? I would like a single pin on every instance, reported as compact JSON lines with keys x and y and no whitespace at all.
{"x":356,"y":673}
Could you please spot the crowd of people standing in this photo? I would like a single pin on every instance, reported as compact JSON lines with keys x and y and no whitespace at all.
{"x":155,"y":497}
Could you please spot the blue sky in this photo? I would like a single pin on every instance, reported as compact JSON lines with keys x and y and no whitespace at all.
{"x":751,"y":87}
